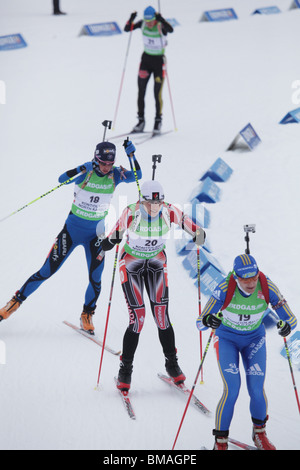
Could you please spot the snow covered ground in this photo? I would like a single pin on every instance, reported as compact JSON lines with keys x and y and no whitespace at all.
{"x":58,"y":91}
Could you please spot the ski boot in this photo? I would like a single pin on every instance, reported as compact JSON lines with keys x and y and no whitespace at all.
{"x":140,"y":125}
{"x":124,"y":376}
{"x":221,"y":440}
{"x":157,"y":125}
{"x":10,"y":307}
{"x":86,"y":321}
{"x":260,"y":439}
{"x":173,"y":369}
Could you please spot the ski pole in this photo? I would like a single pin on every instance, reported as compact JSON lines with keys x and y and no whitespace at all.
{"x":167,"y":76}
{"x":123,"y":74}
{"x":43,"y":195}
{"x":171,"y":100}
{"x":132,"y":166}
{"x":291,"y":369}
{"x":108,"y":311}
{"x":247,"y":229}
{"x":155,"y":158}
{"x":106,"y":124}
{"x":199,"y":303}
{"x":195,"y":381}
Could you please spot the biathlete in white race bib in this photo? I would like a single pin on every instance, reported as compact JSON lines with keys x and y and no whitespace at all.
{"x":85,"y":225}
{"x":154,"y":31}
{"x":145,"y":226}
{"x":243,"y":298}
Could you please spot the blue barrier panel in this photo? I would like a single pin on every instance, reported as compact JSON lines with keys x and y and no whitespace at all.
{"x":266,"y":11}
{"x":184,"y":245}
{"x":12,"y":41}
{"x":219,"y":171}
{"x":198,"y":213}
{"x":295,"y":4}
{"x":209,"y":280}
{"x":206,"y":259}
{"x":173,"y":22}
{"x":101,"y":29}
{"x":294,"y":349}
{"x":207,"y":191}
{"x":292,"y":116}
{"x":270,"y":318}
{"x":248,"y":136}
{"x":220,"y":15}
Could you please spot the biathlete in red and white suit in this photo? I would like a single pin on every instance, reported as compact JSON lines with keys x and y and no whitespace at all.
{"x":143,"y":263}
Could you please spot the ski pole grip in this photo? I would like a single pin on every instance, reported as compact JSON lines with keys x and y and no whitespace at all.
{"x":125,"y":144}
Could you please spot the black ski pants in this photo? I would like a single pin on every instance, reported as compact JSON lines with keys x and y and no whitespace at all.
{"x":151,"y":64}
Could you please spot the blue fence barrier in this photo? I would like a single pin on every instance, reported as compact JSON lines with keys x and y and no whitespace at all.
{"x":100,"y":29}
{"x":206,"y":191}
{"x":266,"y":11}
{"x":248,"y":136}
{"x":12,"y":41}
{"x":291,"y":116}
{"x":219,"y":15}
{"x":294,"y":349}
{"x":295,"y":4}
{"x":219,"y":171}
{"x":209,"y":280}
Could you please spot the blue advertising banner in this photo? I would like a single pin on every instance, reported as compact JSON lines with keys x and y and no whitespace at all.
{"x":206,"y":260}
{"x":220,"y":15}
{"x":267,"y":11}
{"x":101,"y":29}
{"x":198,"y":213}
{"x":248,"y":136}
{"x":11,"y":41}
{"x":219,"y":171}
{"x":173,"y":22}
{"x":294,"y":349}
{"x":207,"y":191}
{"x":292,"y":116}
{"x":209,"y":280}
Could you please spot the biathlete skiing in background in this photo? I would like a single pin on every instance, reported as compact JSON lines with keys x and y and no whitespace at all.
{"x":243,"y":298}
{"x":154,"y":30}
{"x":143,"y":263}
{"x":85,"y":225}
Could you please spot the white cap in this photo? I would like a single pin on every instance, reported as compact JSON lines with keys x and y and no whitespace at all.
{"x":152,"y":191}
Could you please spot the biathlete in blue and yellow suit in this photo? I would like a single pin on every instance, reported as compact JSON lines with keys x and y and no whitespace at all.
{"x":85,"y":225}
{"x":243,"y":298}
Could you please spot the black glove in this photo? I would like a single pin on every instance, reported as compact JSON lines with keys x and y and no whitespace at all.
{"x":284,"y":328}
{"x":212,"y":321}
{"x":132,"y":17}
{"x":107,"y":244}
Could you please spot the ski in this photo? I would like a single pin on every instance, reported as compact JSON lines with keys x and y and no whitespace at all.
{"x":183,"y":389}
{"x":92,"y":338}
{"x":241,"y":444}
{"x":126,"y":401}
{"x":130,"y":133}
{"x":151,"y":136}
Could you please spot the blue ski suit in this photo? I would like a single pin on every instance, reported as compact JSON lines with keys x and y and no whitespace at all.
{"x":79,"y":230}
{"x":242,"y":334}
